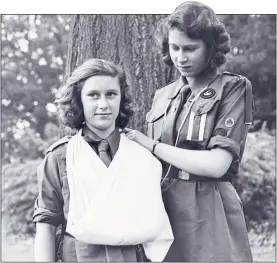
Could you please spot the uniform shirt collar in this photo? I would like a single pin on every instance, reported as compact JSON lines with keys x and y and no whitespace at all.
{"x":181,"y":84}
{"x":113,"y":139}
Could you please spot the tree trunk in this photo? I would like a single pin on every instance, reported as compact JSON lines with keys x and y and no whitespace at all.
{"x":128,"y":41}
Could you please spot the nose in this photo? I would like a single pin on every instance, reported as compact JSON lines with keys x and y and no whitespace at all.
{"x":102,"y":103}
{"x":182,"y":57}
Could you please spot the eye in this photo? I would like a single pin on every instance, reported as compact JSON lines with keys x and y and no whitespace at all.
{"x":111,"y":94}
{"x":93,"y":95}
{"x":174,"y":47}
{"x":190,"y":48}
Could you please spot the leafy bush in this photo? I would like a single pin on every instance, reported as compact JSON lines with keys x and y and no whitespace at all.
{"x":256,"y":183}
{"x":19,"y":191}
{"x":30,"y":145}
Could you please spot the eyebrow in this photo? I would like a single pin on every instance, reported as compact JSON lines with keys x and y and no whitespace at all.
{"x":189,"y":45}
{"x":115,"y":90}
{"x":109,"y":90}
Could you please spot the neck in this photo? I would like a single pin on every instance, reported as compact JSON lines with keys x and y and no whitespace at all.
{"x":103,"y":134}
{"x":203,"y":79}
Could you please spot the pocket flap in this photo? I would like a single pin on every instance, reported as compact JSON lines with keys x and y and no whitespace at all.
{"x":202,"y":106}
{"x":155,"y":114}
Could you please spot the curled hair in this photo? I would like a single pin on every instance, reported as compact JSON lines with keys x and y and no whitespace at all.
{"x":68,"y":97}
{"x":198,"y":21}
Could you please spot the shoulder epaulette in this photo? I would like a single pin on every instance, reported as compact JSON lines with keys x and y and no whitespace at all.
{"x":61,"y":141}
{"x":239,"y":77}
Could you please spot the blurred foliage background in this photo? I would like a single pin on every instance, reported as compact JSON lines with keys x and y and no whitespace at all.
{"x":34,"y":54}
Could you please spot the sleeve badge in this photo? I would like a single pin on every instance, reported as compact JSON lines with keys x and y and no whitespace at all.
{"x":229,"y":122}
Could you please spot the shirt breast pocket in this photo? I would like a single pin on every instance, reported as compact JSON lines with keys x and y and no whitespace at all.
{"x":155,"y":121}
{"x":201,"y":120}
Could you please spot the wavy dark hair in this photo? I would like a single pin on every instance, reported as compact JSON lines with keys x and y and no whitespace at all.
{"x":198,"y":21}
{"x":68,"y":97}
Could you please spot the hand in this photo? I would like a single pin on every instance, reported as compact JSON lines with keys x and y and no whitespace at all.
{"x":139,"y":137}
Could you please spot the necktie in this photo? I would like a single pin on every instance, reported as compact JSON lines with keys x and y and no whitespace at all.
{"x":103,"y":147}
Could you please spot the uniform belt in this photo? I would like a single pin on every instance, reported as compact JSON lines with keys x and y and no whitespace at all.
{"x":192,"y":177}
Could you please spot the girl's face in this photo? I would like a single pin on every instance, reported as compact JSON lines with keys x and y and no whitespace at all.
{"x":189,"y":56}
{"x":101,"y":96}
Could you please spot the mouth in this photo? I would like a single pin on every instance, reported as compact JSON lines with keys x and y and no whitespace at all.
{"x":102,"y":114}
{"x":184,"y":67}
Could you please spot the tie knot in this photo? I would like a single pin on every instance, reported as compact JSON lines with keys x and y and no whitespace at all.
{"x":103,"y":146}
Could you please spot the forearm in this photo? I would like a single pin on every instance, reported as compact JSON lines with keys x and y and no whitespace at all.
{"x":210,"y":163}
{"x":45,"y":242}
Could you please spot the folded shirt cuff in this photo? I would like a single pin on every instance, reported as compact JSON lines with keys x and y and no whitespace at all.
{"x":43,"y":215}
{"x":225,"y":143}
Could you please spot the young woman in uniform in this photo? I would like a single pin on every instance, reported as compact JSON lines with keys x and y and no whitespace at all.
{"x":79,"y":174}
{"x":197,"y":127}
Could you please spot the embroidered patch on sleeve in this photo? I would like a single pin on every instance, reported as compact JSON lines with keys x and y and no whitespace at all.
{"x":229,"y":122}
{"x":221,"y":132}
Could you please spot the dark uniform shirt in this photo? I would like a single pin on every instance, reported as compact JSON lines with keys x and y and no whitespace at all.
{"x":205,"y":213}
{"x":52,"y":203}
{"x":217,"y":118}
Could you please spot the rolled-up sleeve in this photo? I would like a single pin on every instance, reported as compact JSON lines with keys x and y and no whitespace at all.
{"x":49,"y":203}
{"x":230,"y":129}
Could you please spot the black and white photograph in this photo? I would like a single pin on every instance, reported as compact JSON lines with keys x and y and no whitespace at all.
{"x":139,"y":136}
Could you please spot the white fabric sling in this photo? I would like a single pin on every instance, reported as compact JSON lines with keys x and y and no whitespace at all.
{"x":120,"y":204}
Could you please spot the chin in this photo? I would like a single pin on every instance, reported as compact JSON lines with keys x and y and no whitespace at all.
{"x":103,"y":126}
{"x":187,"y":74}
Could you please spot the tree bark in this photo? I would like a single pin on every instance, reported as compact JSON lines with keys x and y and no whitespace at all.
{"x":126,"y":40}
